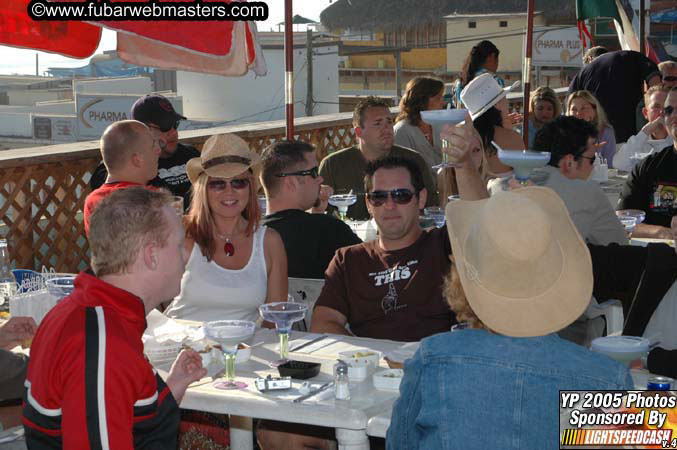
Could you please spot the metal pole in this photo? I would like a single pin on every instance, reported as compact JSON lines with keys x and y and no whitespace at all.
{"x":526,"y":76}
{"x":289,"y":69}
{"x":642,"y":31}
{"x":37,"y":70}
{"x":309,"y":56}
{"x":398,"y":75}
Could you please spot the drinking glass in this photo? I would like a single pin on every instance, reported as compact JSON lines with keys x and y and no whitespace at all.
{"x":436,"y":214}
{"x":439,"y":118}
{"x":283,"y":315}
{"x":229,"y":334}
{"x":342,"y":202}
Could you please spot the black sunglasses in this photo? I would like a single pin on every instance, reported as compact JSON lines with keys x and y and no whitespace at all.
{"x":313,"y":172}
{"x":670,"y":78}
{"x":400,"y":196}
{"x":220,"y":185}
{"x":172,"y":126}
{"x":591,"y":158}
{"x":668,"y":110}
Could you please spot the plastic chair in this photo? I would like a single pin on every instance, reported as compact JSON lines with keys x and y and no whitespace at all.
{"x":305,"y":290}
{"x":612,"y":310}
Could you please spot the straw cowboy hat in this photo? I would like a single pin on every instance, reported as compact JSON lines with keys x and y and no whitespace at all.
{"x":482,"y":93}
{"x":524,"y":268}
{"x":222,"y":156}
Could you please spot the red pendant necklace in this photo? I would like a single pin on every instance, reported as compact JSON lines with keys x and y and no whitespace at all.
{"x":228,"y":247}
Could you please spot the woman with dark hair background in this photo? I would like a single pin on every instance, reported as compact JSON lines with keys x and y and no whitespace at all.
{"x":421,"y":94}
{"x":483,"y":58}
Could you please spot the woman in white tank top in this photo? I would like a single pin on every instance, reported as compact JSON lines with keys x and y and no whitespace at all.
{"x":235,"y":264}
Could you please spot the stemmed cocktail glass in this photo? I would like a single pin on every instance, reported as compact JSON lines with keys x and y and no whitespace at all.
{"x":523,"y":162}
{"x":229,"y":334}
{"x":441,"y":117}
{"x":342,"y":202}
{"x":283,"y":315}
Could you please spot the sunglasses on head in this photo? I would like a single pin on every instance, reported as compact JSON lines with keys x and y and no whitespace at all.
{"x":668,"y":110}
{"x":313,"y":172}
{"x":165,"y":129}
{"x":400,"y":196}
{"x":670,"y":78}
{"x":220,"y":185}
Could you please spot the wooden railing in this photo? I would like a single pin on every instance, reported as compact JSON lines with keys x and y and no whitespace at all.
{"x":43,"y":189}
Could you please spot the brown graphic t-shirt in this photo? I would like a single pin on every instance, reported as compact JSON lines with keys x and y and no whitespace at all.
{"x":391,"y":294}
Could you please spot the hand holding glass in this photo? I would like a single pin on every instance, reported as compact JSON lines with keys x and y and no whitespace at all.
{"x":439,"y":118}
{"x":229,"y":334}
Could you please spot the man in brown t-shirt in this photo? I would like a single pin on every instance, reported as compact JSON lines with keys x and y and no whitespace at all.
{"x":390,"y":288}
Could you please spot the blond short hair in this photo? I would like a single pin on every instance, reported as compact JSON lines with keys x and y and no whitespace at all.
{"x":120,"y":141}
{"x":123,"y":223}
{"x":652,"y":90}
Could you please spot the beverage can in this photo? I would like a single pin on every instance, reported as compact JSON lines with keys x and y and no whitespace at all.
{"x":658,"y":383}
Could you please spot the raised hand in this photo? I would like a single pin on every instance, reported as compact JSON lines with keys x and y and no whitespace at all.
{"x":460,"y":139}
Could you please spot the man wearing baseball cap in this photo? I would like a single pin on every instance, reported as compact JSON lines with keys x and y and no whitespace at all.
{"x":157,"y":112}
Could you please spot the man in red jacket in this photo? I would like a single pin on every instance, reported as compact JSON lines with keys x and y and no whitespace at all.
{"x":88,"y":383}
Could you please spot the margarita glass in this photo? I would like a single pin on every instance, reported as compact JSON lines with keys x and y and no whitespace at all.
{"x":436,"y":214}
{"x":283,"y":315}
{"x":523,"y":162}
{"x":229,"y":334}
{"x":342,"y":202}
{"x":441,"y":117}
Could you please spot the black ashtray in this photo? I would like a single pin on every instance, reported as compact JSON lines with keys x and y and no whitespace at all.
{"x":300,"y":370}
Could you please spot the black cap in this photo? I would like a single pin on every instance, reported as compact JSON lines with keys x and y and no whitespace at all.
{"x":156,"y":109}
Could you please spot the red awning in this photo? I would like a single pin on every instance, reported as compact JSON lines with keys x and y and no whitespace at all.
{"x":220,"y":47}
{"x":73,"y":39}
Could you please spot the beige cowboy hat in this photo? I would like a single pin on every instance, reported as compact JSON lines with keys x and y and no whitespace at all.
{"x":222,"y":156}
{"x":482,"y":93}
{"x":523,"y":266}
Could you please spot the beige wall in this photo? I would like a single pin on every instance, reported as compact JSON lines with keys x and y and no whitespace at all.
{"x":510,"y":59}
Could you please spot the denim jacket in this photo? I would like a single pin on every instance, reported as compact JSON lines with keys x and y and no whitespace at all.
{"x":472,"y":389}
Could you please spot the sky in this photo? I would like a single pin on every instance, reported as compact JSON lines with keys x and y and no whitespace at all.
{"x":22,"y":61}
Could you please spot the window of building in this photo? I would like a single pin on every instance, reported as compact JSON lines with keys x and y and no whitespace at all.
{"x":503,"y":23}
{"x":472,"y":24}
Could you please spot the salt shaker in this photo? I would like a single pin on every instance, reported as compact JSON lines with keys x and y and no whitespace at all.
{"x":341,"y":388}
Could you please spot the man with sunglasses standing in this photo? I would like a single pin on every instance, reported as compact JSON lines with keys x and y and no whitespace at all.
{"x":159,"y":115}
{"x":290,"y":178}
{"x":389,"y":288}
{"x":652,"y":186}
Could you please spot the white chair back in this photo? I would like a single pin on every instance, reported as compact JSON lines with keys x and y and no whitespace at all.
{"x":305,"y":290}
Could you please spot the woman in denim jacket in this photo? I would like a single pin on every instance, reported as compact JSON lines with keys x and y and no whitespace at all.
{"x":521,"y":273}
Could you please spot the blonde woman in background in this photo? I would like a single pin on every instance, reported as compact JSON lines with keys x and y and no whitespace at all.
{"x":544,"y":106}
{"x":584,"y":105}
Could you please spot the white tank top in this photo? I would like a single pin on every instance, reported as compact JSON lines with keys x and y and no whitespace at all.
{"x":211,"y":292}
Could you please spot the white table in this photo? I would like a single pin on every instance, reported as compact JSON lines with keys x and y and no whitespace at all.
{"x":613,"y":187}
{"x":349,"y":418}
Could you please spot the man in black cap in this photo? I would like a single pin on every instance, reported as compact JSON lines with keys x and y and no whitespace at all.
{"x":158,"y":113}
